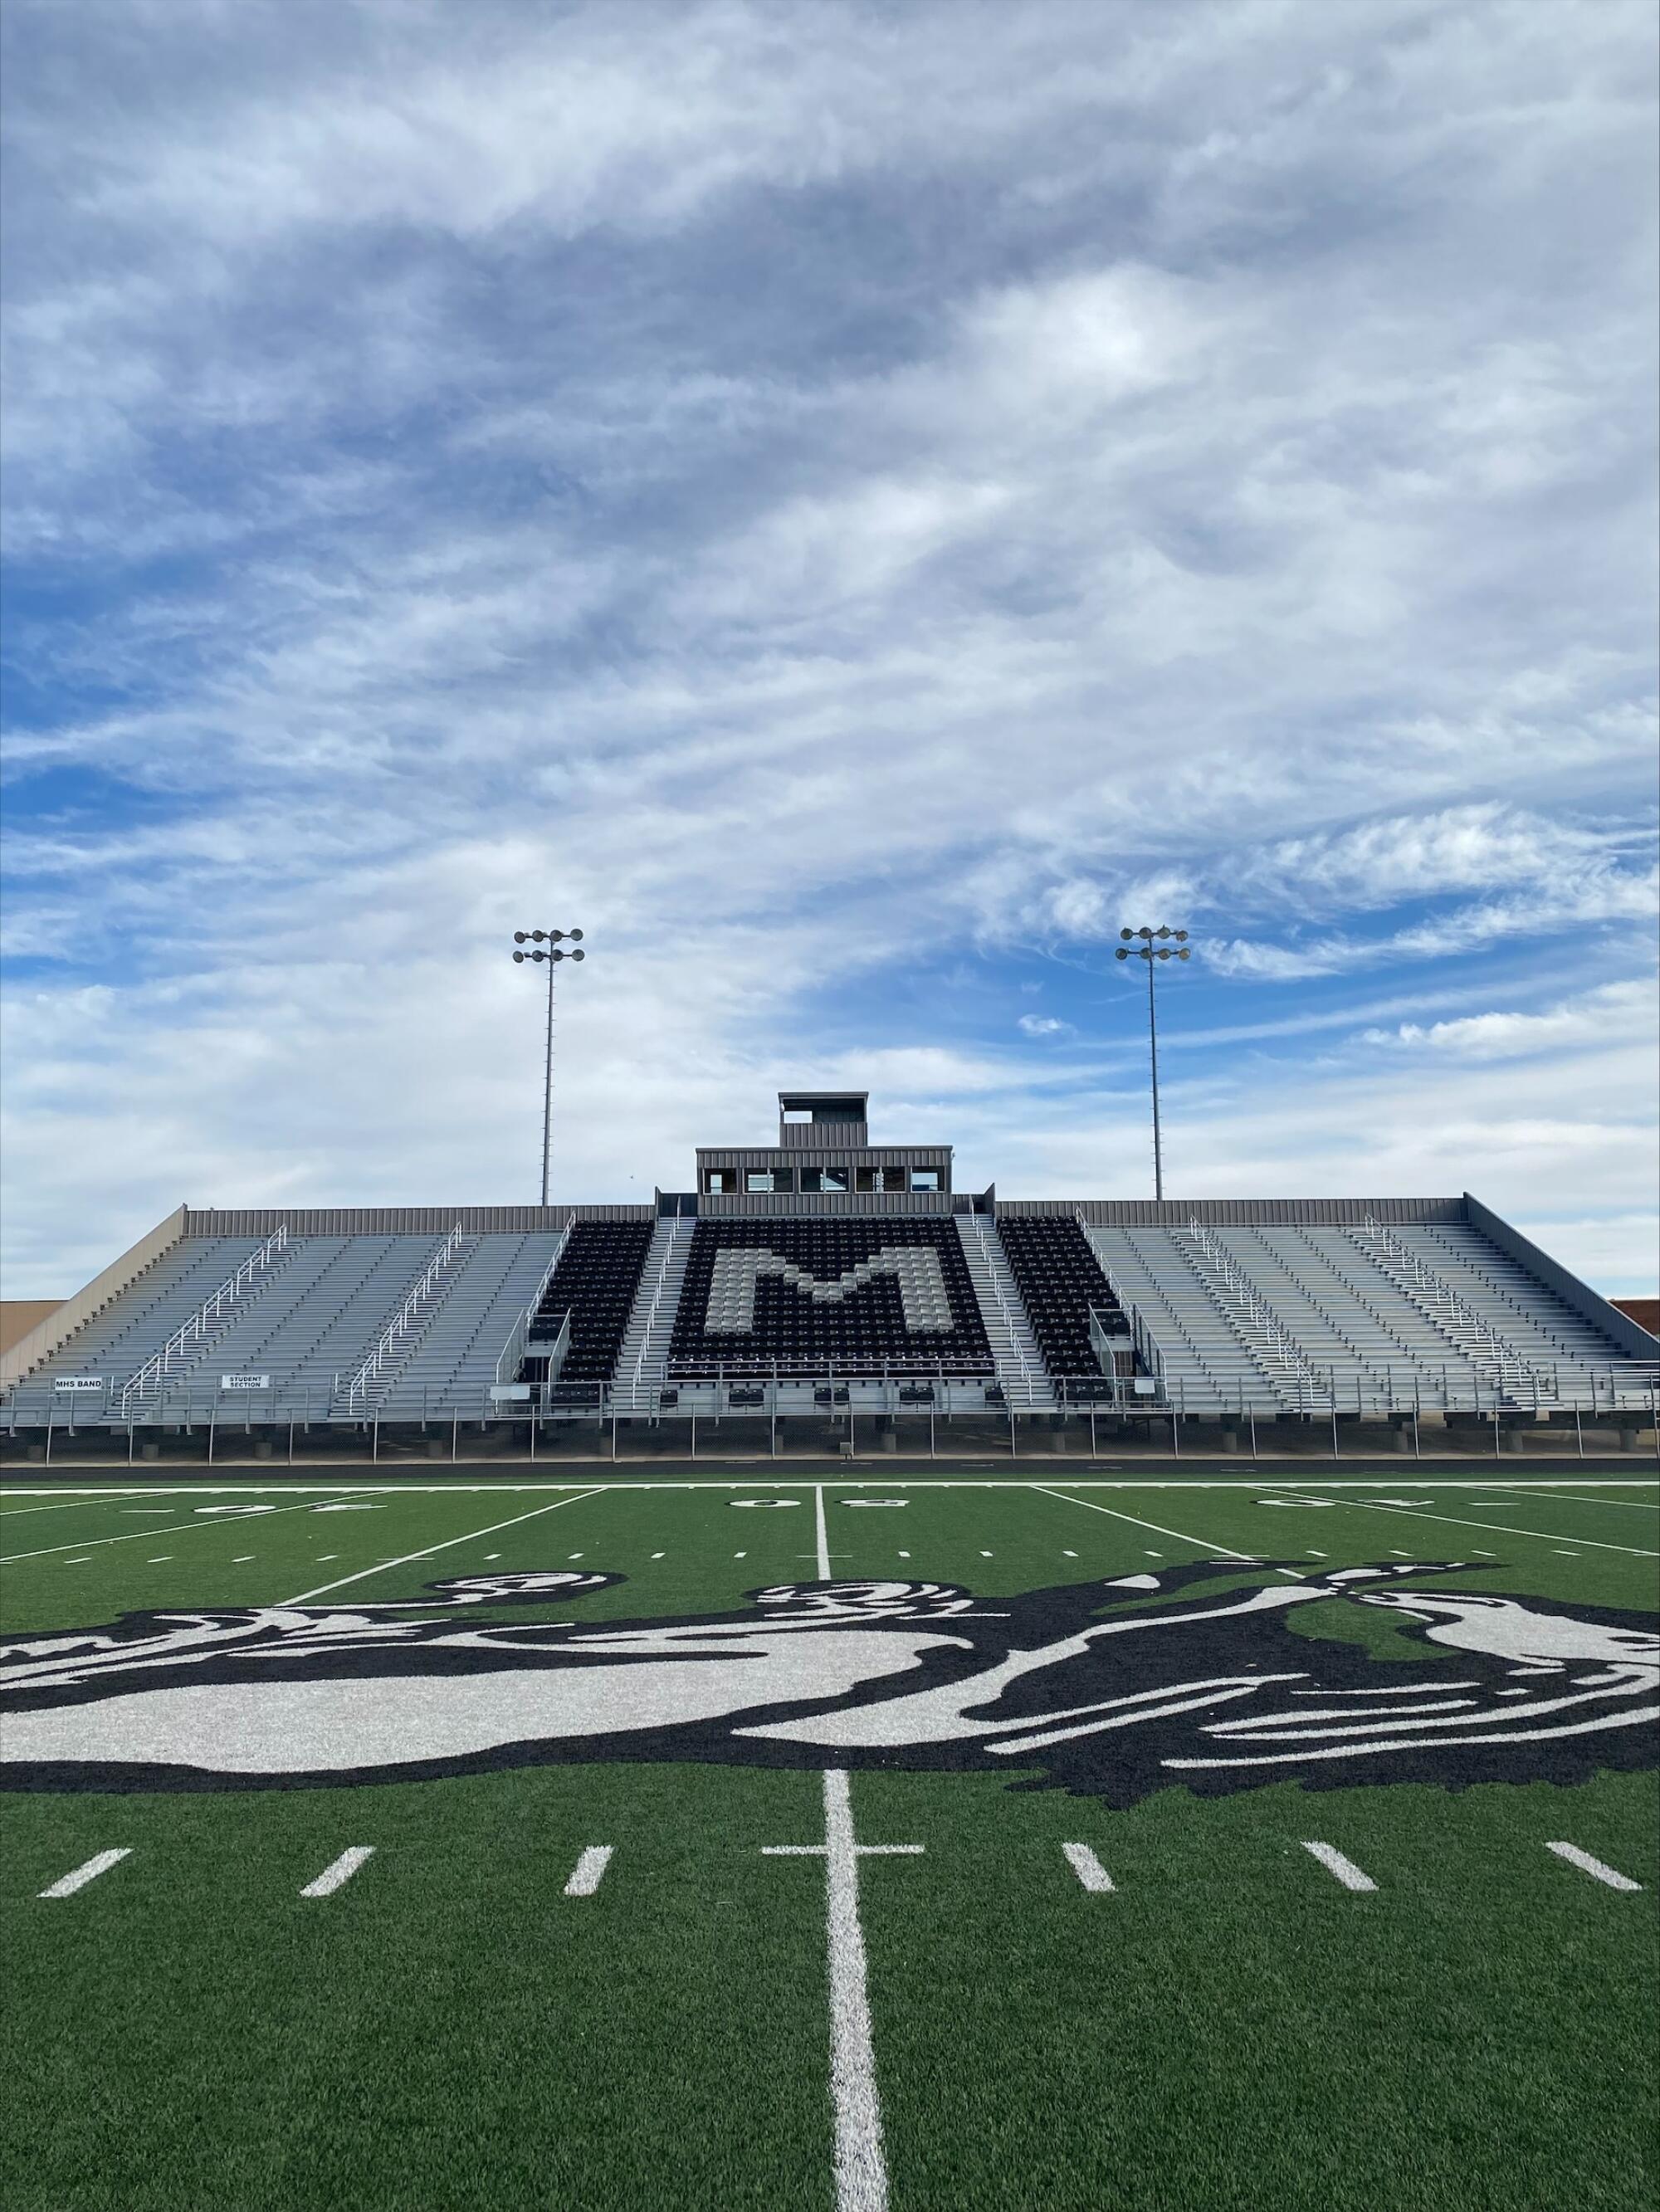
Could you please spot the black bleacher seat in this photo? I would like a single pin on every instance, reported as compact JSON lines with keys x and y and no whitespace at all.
{"x":1060,"y":1278}
{"x":595,"y":1282}
{"x":865,"y":1333}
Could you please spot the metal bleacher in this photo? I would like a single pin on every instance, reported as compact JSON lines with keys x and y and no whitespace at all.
{"x":1269,"y":1317}
{"x":316,"y":1321}
{"x":819,"y":1274}
{"x":452,"y":1359}
{"x":117,"y":1341}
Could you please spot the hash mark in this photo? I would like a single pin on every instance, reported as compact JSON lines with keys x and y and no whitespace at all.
{"x":1345,"y":1869}
{"x":342,"y":1870}
{"x":82,"y":1875}
{"x":589,"y":1869}
{"x":1087,"y":1867}
{"x":1595,"y":1868}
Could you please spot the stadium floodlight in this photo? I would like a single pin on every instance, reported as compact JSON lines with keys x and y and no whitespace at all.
{"x":556,"y":938}
{"x":1153,"y":949}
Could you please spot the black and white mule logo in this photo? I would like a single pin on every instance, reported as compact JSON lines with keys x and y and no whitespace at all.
{"x":1109,"y":1689}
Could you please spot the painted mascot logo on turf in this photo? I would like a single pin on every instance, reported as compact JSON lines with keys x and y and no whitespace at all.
{"x":1109,"y":1689}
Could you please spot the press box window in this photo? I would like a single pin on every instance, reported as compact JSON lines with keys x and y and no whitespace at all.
{"x":925,"y":1178}
{"x":867,"y":1178}
{"x":719,"y":1179}
{"x":893,"y":1178}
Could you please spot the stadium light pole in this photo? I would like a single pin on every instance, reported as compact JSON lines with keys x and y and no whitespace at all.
{"x":1153,"y":952}
{"x":550,"y":937}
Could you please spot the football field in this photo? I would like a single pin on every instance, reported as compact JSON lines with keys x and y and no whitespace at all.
{"x":930,"y":1842}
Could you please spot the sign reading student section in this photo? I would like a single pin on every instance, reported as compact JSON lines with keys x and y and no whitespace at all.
{"x":245,"y":1382}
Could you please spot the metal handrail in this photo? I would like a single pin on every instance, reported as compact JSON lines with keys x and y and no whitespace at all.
{"x":1028,"y":1374}
{"x":1503,"y":1357}
{"x":1285,"y":1344}
{"x":632,"y":1385}
{"x":512,"y":1354}
{"x":229,"y":1293}
{"x":399,"y":1324}
{"x":1148,"y":1348}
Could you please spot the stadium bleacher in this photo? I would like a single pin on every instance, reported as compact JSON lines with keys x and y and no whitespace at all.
{"x":595,"y":1283}
{"x":825,"y":1272}
{"x":817,"y":1327}
{"x":1061,"y":1282}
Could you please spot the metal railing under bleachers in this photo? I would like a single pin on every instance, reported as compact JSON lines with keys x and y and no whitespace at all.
{"x":402,"y":1325}
{"x":213,"y":1310}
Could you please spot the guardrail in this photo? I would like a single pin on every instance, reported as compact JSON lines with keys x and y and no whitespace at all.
{"x":1502,"y":1357}
{"x":1310,"y":1379}
{"x":511,"y":1356}
{"x":229,"y":1293}
{"x":1626,"y":1398}
{"x":402,"y":1321}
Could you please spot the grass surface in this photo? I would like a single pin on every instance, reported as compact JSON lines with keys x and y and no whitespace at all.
{"x":1229,"y":2027}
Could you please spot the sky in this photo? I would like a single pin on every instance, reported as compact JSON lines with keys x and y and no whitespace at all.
{"x":851,"y":506}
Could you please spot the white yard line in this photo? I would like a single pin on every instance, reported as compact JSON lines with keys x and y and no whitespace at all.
{"x":821,"y":1536}
{"x":342,"y":1870}
{"x":173,"y":1528}
{"x":590,"y":1868}
{"x":1503,"y":1528}
{"x":63,"y":1505}
{"x":473,"y":1536}
{"x":1571,"y":1498}
{"x":102,"y":1864}
{"x":1345,"y":1869}
{"x":1248,"y":1558}
{"x":1087,"y":1867}
{"x":1596,"y":1867}
{"x":862,"y":2173}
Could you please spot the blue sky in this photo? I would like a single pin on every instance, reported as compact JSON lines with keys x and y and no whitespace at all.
{"x":851,"y":505}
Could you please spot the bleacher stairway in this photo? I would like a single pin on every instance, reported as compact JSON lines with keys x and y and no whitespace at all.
{"x":1014,"y":1350}
{"x":642,"y":1363}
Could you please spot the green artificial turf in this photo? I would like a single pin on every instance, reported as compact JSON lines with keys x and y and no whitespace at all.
{"x":1228,"y":2028}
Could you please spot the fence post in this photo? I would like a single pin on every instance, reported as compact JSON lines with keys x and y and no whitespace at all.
{"x":213,"y":1423}
{"x":1578,"y":1432}
{"x":1251,"y":1416}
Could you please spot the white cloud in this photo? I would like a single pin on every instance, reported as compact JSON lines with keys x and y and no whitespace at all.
{"x":911,"y":490}
{"x":1041,"y":1025}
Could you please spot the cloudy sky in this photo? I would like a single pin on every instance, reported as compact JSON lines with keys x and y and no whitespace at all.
{"x":851,"y":504}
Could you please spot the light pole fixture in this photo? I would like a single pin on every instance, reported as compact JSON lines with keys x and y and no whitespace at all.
{"x":1152,"y":949}
{"x":550,"y":937}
